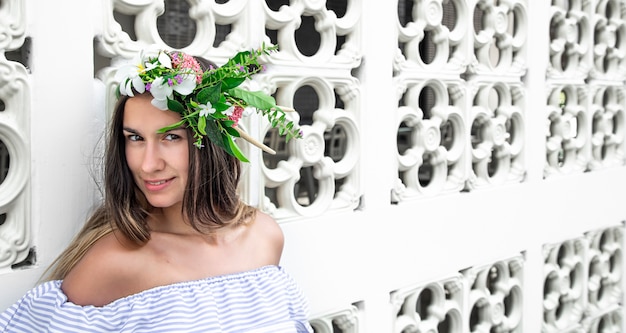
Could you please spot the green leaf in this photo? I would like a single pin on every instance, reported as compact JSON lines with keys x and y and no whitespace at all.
{"x":258,"y":99}
{"x":175,"y":106}
{"x":232,"y":131}
{"x":221,"y":106}
{"x":202,"y":125}
{"x":209,"y":94}
{"x":215,"y":134}
{"x":219,"y":115}
{"x":239,"y":58}
{"x":171,"y":127}
{"x":208,"y":78}
{"x":232,"y":82}
{"x":234,"y":149}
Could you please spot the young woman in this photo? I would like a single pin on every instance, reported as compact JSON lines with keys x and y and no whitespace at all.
{"x":172,"y":248}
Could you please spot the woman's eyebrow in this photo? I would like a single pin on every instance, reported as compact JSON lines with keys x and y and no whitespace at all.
{"x":130,"y":130}
{"x":134,"y":131}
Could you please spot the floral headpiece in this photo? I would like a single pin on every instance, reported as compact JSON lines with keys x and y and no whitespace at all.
{"x":210,"y":102}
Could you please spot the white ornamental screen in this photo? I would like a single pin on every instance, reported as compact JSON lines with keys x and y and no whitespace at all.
{"x":462,"y":166}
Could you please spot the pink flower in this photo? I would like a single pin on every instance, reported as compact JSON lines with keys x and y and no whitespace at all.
{"x":184,"y":61}
{"x":236,"y":115}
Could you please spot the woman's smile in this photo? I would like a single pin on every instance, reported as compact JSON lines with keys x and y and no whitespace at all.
{"x":157,"y":185}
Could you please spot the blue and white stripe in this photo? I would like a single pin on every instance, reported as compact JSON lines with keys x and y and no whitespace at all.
{"x":262,"y":300}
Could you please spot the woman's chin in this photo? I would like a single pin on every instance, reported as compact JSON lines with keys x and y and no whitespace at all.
{"x":163,"y":204}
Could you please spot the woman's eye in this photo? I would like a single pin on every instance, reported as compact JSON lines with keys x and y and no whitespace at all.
{"x":133,"y":137}
{"x":171,"y":137}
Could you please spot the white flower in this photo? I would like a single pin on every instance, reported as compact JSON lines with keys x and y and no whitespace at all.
{"x":187,"y":85}
{"x":148,"y":66}
{"x":165,"y":60}
{"x":160,"y":90}
{"x":128,"y":76}
{"x":151,"y":51}
{"x":206,"y":109}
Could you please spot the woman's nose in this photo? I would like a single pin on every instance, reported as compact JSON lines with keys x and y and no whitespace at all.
{"x":152,"y":158}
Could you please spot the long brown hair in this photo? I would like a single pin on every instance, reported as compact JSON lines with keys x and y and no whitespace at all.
{"x":210,"y":202}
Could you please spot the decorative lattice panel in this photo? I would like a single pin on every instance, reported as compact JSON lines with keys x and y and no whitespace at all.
{"x":583,"y":283}
{"x":495,"y":301}
{"x":457,"y":128}
{"x":320,"y":173}
{"x":431,"y":139}
{"x":432,"y":36}
{"x":15,"y":224}
{"x":487,"y":298}
{"x":568,"y":130}
{"x":608,"y":104}
{"x":497,"y":134}
{"x":434,"y":307}
{"x":564,"y":283}
{"x":340,"y":321}
{"x":585,"y":112}
{"x":570,"y":40}
{"x":605,"y":270}
{"x":499,"y":43}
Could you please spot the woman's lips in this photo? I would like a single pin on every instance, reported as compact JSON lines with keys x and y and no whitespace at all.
{"x":157,"y":185}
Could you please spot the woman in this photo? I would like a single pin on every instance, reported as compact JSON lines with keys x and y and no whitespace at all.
{"x":173,"y":248}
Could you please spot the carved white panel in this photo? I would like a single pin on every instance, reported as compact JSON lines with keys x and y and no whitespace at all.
{"x":564,"y":291}
{"x":499,"y":37}
{"x":583,"y":283}
{"x":611,"y":320}
{"x":429,"y":307}
{"x":497,"y":134}
{"x":495,"y":301}
{"x":339,"y":321}
{"x":586,"y":130}
{"x":570,"y":39}
{"x":115,"y":42}
{"x":15,"y":232}
{"x":287,"y":19}
{"x":115,"y":38}
{"x":609,"y":34}
{"x":440,"y":27}
{"x":608,"y":125}
{"x":12,"y":24}
{"x":432,"y":138}
{"x":605,"y":269}
{"x":568,"y":130}
{"x":312,"y":156}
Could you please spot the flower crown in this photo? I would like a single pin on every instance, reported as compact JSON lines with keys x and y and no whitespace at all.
{"x":210,"y":102}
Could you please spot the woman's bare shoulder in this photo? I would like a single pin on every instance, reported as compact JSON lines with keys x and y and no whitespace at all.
{"x":105,"y":273}
{"x":269,"y":233}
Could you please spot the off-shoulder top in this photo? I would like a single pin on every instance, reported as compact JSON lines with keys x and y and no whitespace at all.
{"x":263,"y":300}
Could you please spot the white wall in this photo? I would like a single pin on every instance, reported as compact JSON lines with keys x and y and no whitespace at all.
{"x":352,"y":252}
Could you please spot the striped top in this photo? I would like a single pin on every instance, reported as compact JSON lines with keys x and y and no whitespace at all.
{"x":263,"y":300}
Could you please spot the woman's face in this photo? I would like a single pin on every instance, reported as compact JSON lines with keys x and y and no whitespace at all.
{"x":159,"y":162}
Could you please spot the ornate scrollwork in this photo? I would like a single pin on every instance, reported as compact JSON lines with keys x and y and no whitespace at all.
{"x":15,"y":239}
{"x":426,"y":307}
